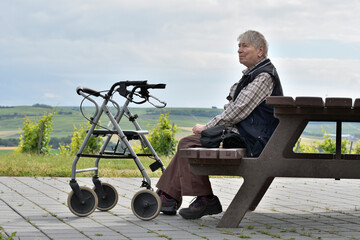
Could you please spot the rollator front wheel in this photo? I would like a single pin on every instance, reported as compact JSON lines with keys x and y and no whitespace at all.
{"x":85,"y":207}
{"x":110,"y":198}
{"x":146,"y":204}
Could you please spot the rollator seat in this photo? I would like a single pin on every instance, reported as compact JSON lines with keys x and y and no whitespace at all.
{"x":130,"y":134}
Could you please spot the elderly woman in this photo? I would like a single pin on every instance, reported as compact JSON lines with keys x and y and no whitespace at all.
{"x":245,"y":113}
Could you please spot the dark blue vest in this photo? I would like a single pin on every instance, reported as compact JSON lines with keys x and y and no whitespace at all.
{"x":258,"y":127}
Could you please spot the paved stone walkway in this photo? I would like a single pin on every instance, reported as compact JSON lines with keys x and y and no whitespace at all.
{"x":35,"y":208}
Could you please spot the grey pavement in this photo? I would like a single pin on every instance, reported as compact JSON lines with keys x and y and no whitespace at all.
{"x":292,"y":208}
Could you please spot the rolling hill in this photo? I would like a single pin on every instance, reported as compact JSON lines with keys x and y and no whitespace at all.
{"x":11,"y":121}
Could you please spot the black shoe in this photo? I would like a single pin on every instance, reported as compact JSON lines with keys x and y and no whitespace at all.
{"x":168,"y":205}
{"x":200,"y":207}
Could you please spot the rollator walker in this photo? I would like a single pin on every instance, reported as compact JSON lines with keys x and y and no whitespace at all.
{"x":145,"y":204}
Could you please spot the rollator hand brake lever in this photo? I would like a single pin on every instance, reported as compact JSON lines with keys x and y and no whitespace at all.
{"x":163,"y":104}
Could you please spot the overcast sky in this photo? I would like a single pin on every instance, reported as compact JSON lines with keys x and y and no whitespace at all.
{"x":48,"y":48}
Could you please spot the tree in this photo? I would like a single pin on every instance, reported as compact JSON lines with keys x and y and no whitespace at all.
{"x":36,"y":135}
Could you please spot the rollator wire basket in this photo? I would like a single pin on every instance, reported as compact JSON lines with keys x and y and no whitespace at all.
{"x":82,"y":201}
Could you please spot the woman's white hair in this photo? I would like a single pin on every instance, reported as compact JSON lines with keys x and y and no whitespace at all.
{"x":255,"y":39}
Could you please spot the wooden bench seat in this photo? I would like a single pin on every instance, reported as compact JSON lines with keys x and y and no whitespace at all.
{"x":224,"y":156}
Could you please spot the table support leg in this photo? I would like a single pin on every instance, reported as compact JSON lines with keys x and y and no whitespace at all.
{"x":252,"y":188}
{"x":261,"y":194}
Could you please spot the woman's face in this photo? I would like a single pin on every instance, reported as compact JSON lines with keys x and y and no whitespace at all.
{"x":249,"y":55}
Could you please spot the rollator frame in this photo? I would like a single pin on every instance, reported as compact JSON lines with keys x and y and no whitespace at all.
{"x":82,"y":201}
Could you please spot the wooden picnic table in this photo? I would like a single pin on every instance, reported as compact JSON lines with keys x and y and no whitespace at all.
{"x":278,"y":158}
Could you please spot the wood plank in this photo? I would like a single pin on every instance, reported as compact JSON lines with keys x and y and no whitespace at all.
{"x":338,"y":102}
{"x":232,"y":153}
{"x":280,"y":101}
{"x":357,"y":103}
{"x":209,"y":153}
{"x":309,"y":102}
{"x":218,"y":163}
{"x":189,"y":152}
{"x":213,"y":153}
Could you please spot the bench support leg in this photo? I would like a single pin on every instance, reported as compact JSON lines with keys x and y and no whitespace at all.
{"x":249,"y":193}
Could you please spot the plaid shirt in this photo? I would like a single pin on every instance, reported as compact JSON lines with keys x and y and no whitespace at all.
{"x":247,"y":100}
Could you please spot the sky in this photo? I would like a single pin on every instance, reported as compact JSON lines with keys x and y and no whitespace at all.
{"x":48,"y":48}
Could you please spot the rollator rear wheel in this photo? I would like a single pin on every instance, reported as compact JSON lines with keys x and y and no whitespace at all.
{"x":146,"y":204}
{"x":83,"y":208}
{"x":109,"y":200}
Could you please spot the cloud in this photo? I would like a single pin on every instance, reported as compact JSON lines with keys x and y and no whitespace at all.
{"x":50,"y":95}
{"x":189,"y":45}
{"x":319,"y":77}
{"x":309,"y":20}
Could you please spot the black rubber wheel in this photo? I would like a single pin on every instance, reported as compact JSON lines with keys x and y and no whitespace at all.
{"x":85,"y":208}
{"x":110,"y":199}
{"x":179,"y":203}
{"x":146,"y":204}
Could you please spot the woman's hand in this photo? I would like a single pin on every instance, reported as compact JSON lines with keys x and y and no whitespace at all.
{"x":198,"y":128}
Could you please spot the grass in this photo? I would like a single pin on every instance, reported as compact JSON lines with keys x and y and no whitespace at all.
{"x":31,"y":165}
{"x":5,"y":152}
{"x":11,"y":237}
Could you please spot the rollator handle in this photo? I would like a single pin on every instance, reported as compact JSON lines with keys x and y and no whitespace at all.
{"x":143,"y":85}
{"x":160,"y":85}
{"x":123,"y":85}
{"x":87,"y":90}
{"x":134,"y":83}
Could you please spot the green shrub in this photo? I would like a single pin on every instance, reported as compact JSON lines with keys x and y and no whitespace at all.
{"x":357,"y":148}
{"x":93,"y":145}
{"x":36,"y":135}
{"x":329,"y":145}
{"x":301,"y":147}
{"x":64,"y":149}
{"x":161,"y":137}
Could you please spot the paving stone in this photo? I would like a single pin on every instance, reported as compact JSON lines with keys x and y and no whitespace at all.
{"x":292,"y":208}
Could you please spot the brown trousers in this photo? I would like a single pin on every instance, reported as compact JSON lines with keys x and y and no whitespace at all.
{"x":177,"y":180}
